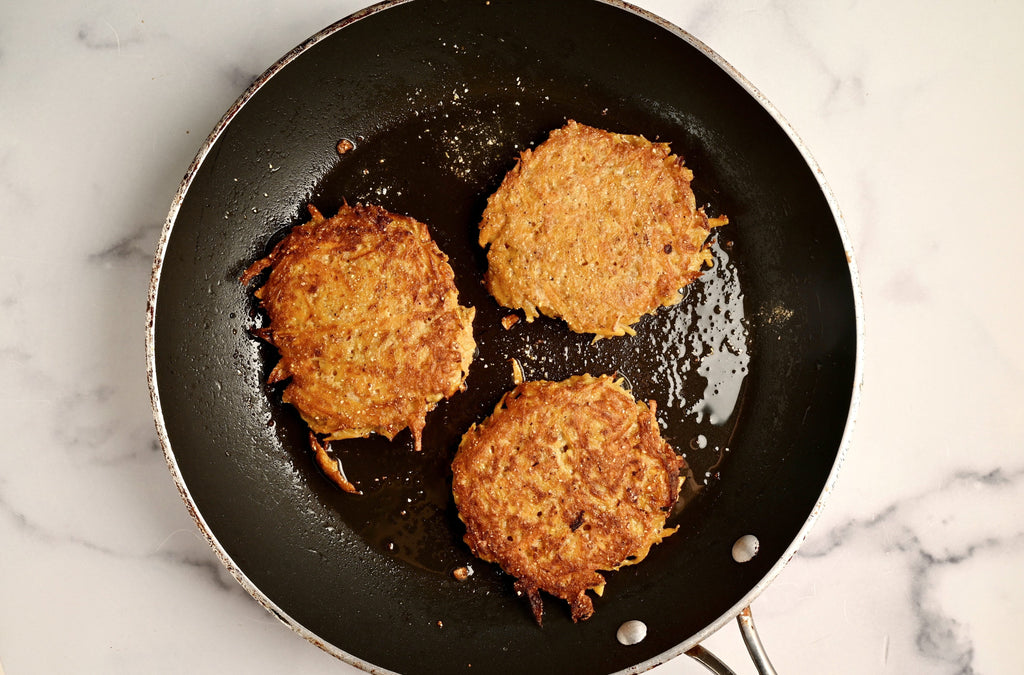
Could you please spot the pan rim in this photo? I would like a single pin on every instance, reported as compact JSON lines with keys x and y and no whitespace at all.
{"x":200,"y":158}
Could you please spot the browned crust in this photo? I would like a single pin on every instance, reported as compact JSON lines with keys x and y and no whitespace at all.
{"x":562,"y":481}
{"x":364,"y":312}
{"x":596,"y":228}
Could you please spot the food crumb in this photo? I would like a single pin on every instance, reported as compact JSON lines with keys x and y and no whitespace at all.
{"x":509,"y":321}
{"x":462,"y":573}
{"x":344,"y":145}
{"x":517,"y":372}
{"x":440,"y":624}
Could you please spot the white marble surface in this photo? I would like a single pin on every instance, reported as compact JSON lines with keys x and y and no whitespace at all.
{"x":914,"y":112}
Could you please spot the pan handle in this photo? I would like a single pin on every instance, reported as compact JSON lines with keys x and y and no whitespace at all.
{"x":750,"y":639}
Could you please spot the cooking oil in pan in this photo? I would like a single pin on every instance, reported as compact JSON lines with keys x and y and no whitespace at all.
{"x":719,"y":341}
{"x":708,"y":338}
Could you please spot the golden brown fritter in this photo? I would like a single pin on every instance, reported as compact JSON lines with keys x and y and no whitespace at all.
{"x":563,"y":480}
{"x":596,"y":228}
{"x":365,"y":314}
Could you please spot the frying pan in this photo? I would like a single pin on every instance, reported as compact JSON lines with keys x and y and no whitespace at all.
{"x":437,"y":98}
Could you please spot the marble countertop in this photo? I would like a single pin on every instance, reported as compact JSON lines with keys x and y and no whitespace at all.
{"x":913,"y":112}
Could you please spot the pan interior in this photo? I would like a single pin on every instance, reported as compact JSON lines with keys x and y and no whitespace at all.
{"x":752,"y":373}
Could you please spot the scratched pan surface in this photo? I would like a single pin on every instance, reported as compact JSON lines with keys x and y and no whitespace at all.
{"x":754,"y":373}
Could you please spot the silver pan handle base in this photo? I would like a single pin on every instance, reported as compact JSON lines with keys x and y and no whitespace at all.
{"x":750,"y":638}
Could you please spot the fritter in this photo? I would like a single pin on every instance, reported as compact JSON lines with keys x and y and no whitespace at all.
{"x":564,"y":480}
{"x":596,"y":228}
{"x":365,"y":314}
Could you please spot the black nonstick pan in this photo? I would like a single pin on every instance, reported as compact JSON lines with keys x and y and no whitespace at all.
{"x":755,"y":373}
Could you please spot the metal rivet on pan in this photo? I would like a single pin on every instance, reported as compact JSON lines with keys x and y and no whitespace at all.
{"x":745,"y":548}
{"x":632,"y":632}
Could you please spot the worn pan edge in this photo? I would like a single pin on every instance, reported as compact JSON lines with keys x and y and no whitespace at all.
{"x":168,"y":227}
